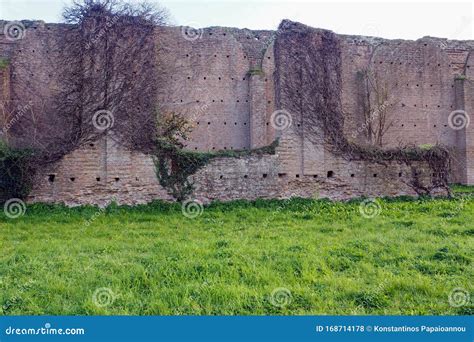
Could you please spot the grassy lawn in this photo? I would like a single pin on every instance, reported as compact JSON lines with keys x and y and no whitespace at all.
{"x":265,"y":257}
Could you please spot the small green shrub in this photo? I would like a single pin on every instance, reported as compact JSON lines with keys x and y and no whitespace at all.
{"x":16,"y":172}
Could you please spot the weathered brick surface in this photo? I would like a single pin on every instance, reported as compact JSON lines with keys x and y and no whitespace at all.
{"x":208,"y":79}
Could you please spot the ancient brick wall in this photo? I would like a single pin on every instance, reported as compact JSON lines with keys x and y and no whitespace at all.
{"x":223,"y":80}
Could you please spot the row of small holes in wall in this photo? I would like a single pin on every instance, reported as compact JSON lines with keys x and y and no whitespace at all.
{"x":426,"y":106}
{"x":221,"y":101}
{"x":431,"y":85}
{"x":219,"y":78}
{"x":230,"y":148}
{"x":215,"y":56}
{"x":225,"y":34}
{"x":52,"y":178}
{"x":235,"y":123}
{"x":414,"y":125}
{"x":329,"y":174}
{"x":427,"y":64}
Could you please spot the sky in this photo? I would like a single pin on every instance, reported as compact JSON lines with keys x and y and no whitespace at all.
{"x":387,"y":19}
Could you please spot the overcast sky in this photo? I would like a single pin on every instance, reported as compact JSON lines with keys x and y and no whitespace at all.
{"x":404,"y":19}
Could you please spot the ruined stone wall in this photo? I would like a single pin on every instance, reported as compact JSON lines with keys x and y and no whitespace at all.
{"x":223,"y":80}
{"x":421,"y":78}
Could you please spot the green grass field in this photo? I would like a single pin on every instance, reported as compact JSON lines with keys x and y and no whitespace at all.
{"x":289,"y":257}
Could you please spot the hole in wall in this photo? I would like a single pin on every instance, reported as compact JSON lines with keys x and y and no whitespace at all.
{"x":352,"y":175}
{"x":91,"y":145}
{"x":116,"y":179}
{"x":221,"y":176}
{"x":51,"y":178}
{"x":297,"y":176}
{"x":281,"y":174}
{"x":375,"y":175}
{"x":246,"y":176}
{"x":98,"y":179}
{"x":330,"y":174}
{"x":400,"y":174}
{"x":264,"y":175}
{"x":72,"y":179}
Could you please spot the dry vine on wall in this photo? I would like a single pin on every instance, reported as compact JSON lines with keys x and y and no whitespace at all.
{"x":308,"y":65}
{"x":106,"y":84}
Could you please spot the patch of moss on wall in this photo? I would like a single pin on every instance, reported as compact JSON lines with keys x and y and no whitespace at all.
{"x":175,"y":165}
{"x":4,"y":62}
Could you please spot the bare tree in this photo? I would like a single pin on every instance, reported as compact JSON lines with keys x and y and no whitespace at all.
{"x":375,"y":107}
{"x":106,"y":81}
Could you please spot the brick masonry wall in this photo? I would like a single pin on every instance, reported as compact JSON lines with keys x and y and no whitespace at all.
{"x":208,"y":80}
